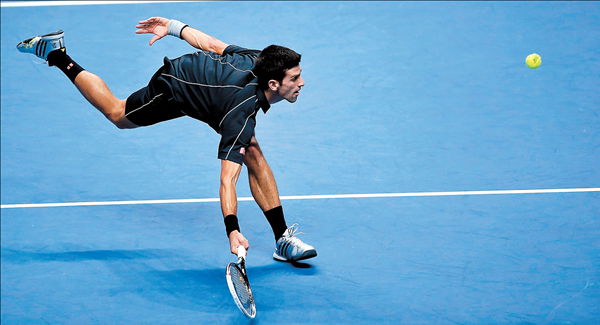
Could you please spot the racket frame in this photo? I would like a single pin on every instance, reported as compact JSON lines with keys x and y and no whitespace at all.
{"x":241,"y":265}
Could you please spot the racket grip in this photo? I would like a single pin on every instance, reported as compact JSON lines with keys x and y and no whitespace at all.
{"x":241,"y":251}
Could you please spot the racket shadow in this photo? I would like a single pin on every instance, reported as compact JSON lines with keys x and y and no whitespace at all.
{"x":190,"y":289}
{"x":194,"y":289}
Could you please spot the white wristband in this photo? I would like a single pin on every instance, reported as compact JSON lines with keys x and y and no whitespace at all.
{"x":175,"y":27}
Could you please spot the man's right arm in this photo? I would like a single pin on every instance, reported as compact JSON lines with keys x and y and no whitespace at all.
{"x":230,"y":173}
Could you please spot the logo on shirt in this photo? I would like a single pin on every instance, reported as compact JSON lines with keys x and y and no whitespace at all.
{"x":242,"y":151}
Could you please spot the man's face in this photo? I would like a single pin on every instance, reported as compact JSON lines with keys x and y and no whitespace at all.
{"x":289,"y":88}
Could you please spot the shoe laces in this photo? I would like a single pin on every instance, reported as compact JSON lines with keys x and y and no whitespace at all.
{"x":292,"y":232}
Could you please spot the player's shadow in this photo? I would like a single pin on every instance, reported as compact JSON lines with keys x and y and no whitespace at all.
{"x":199,"y":289}
{"x":139,"y":272}
{"x":20,"y":257}
{"x":206,"y":287}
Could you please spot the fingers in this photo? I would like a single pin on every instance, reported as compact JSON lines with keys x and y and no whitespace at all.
{"x":234,"y":247}
{"x":143,"y":25}
{"x":146,"y":25}
{"x":148,"y":28}
{"x":236,"y":240}
{"x":245,"y":243}
{"x":149,"y":20}
{"x":154,"y":39}
{"x":142,"y":30}
{"x":153,"y":21}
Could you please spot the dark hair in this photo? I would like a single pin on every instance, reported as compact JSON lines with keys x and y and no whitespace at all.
{"x":272,"y":62}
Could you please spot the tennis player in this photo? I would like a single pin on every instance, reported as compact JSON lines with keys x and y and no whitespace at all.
{"x":222,"y":85}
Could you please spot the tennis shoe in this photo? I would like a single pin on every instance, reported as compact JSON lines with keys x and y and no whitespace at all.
{"x":290,"y":248}
{"x":41,"y":46}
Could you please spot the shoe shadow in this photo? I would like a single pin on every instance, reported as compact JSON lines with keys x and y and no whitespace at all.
{"x":283,"y":268}
{"x":302,"y":265}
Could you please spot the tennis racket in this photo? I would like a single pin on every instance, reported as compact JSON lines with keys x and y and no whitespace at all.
{"x":238,"y":284}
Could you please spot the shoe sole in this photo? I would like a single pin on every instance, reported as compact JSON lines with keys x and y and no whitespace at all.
{"x":308,"y":254}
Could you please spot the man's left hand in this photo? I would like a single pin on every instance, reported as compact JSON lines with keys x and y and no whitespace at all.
{"x":153,"y":25}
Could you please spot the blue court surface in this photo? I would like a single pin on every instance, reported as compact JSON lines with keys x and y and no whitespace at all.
{"x":400,"y":97}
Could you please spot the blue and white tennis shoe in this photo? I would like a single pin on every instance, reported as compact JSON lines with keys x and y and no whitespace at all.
{"x":290,"y":248}
{"x":41,"y":46}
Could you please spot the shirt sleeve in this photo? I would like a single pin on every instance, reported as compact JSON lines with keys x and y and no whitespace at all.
{"x":236,"y":132}
{"x":234,"y":49}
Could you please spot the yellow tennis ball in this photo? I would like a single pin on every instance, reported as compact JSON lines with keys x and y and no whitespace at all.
{"x":533,"y":60}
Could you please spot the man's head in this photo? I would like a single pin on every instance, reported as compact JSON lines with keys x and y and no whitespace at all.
{"x":278,"y":71}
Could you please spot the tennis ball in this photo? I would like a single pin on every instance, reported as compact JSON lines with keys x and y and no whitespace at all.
{"x":533,"y":60}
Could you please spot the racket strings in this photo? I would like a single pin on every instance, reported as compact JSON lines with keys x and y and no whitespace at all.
{"x":241,"y":288}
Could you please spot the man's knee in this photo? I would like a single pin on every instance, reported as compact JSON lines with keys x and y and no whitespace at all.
{"x":117,"y":116}
{"x":253,"y":152}
{"x":253,"y":155}
{"x":124,"y":123}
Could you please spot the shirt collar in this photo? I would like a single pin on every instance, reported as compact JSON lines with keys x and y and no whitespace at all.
{"x":262,"y":100}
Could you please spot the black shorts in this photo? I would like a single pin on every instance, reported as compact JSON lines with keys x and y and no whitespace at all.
{"x":153,"y":103}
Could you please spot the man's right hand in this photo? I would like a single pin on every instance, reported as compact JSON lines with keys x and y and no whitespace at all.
{"x":154,"y":25}
{"x":236,"y":239}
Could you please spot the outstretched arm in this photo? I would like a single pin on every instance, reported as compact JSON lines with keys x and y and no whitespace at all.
{"x":230,"y":172}
{"x":160,"y":28}
{"x":202,"y":41}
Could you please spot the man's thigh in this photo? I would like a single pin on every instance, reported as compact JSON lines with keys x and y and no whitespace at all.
{"x":152,"y":104}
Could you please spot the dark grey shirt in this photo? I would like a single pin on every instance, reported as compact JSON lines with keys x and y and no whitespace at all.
{"x":222,"y":91}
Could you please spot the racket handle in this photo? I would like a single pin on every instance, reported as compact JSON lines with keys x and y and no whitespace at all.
{"x":241,"y":251}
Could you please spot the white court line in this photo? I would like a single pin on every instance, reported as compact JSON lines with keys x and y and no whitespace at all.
{"x":307,"y":197}
{"x":13,"y":4}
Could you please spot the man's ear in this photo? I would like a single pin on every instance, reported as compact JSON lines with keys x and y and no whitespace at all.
{"x":273,"y":84}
